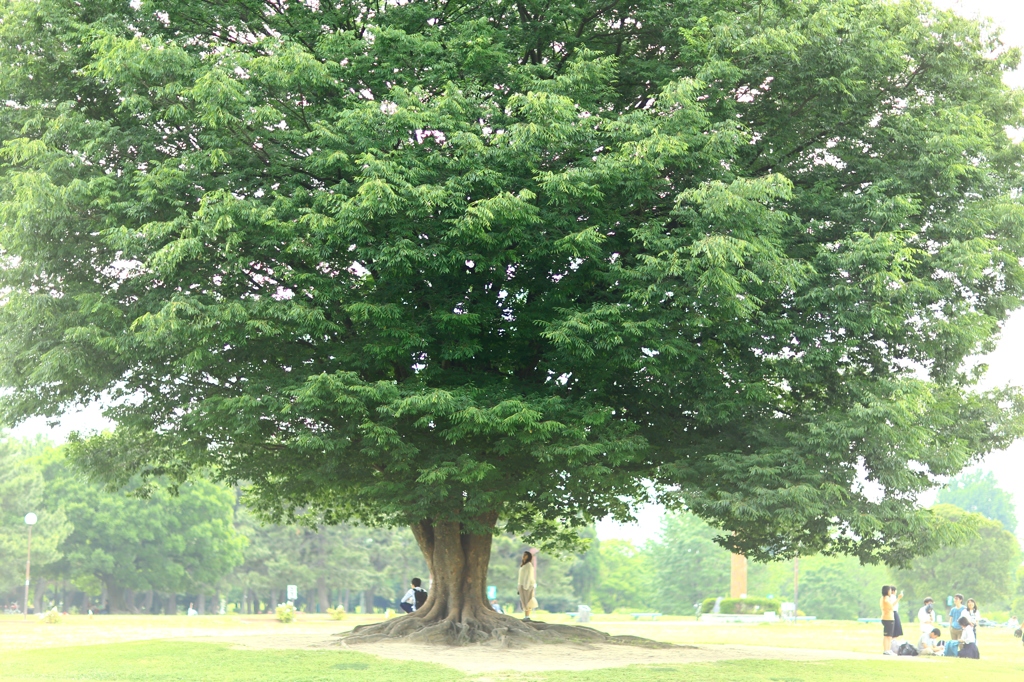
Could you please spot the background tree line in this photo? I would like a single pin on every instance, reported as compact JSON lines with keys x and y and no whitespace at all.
{"x":94,"y":548}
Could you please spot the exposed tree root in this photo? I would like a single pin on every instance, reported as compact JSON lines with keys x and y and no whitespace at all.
{"x":500,"y":631}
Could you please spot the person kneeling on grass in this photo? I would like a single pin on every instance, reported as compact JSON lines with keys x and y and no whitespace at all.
{"x":968,"y":642}
{"x":930,"y":645}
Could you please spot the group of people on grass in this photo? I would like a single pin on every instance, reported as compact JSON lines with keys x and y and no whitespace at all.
{"x":963,"y":624}
{"x":527,"y":585}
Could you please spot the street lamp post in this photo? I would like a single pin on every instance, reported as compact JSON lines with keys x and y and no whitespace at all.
{"x":30,"y":520}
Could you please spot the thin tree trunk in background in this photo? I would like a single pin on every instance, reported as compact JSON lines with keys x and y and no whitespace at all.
{"x":368,"y":596}
{"x":346,"y":601}
{"x":201,"y":608}
{"x":37,"y":596}
{"x":129,"y":601}
{"x":323,"y":601}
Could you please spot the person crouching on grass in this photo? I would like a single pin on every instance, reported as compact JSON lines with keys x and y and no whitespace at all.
{"x":415,"y":597}
{"x":968,"y":642}
{"x":888,"y":621}
{"x":930,"y":644}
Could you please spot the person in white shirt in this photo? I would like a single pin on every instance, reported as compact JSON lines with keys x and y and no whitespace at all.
{"x":414,"y":598}
{"x":929,"y":643}
{"x":973,"y":615}
{"x":968,"y":642}
{"x":926,"y":616}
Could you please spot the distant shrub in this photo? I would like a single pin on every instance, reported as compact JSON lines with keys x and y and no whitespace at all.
{"x":51,"y":616}
{"x":285,"y":613}
{"x":336,"y":614}
{"x":754,"y":605}
{"x":631,"y":609}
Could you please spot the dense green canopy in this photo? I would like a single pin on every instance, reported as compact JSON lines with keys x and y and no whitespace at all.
{"x":459,"y":261}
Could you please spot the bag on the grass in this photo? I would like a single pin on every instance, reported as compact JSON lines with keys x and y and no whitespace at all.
{"x":952,"y":648}
{"x":907,"y":649}
{"x":1018,"y":632}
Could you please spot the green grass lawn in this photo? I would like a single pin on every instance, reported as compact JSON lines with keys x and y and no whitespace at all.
{"x":167,"y":661}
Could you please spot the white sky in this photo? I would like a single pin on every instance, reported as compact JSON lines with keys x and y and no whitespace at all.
{"x":1006,"y":363}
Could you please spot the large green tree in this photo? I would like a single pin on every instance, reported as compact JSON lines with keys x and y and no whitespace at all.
{"x":983,"y":566}
{"x":474,"y":266}
{"x":123,"y":544}
{"x":978,"y":491}
{"x":687,"y":565}
{"x":23,"y":490}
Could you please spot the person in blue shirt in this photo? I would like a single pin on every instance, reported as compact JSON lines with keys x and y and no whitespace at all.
{"x":955,"y":630}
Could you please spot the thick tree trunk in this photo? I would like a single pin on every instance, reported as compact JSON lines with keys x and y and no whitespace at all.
{"x":147,"y":602}
{"x":114,"y":598}
{"x":456,"y":611}
{"x":273,"y":599}
{"x":172,"y":604}
{"x":201,"y":608}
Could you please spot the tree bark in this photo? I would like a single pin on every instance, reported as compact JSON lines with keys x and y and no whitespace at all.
{"x":456,"y":610}
{"x":201,"y":608}
{"x":129,"y":601}
{"x":323,"y":602}
{"x":147,"y":602}
{"x":172,"y":604}
{"x":114,"y":598}
{"x":273,"y":599}
{"x":37,"y":597}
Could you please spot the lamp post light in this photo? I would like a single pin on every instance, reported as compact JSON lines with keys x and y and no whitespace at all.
{"x":30,"y":520}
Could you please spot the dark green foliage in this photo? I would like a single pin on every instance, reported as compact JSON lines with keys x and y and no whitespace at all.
{"x":979,"y":492}
{"x":747,"y":605}
{"x":419,"y":261}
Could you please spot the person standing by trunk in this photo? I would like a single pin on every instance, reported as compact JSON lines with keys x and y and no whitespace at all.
{"x":527,"y":585}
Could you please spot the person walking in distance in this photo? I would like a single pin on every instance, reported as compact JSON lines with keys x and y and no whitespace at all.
{"x":527,"y":585}
{"x":886,"y":604}
{"x":955,"y":631}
